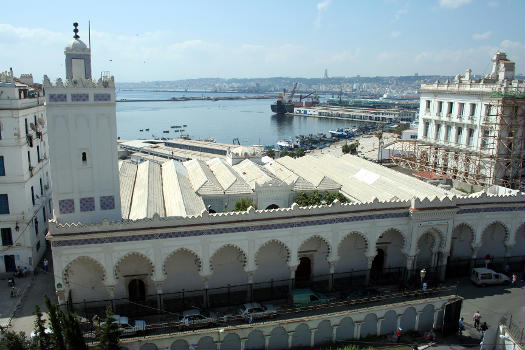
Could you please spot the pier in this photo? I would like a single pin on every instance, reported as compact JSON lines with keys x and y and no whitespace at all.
{"x":203,"y":98}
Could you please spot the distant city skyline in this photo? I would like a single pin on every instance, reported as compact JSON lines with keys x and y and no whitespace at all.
{"x":164,"y":41}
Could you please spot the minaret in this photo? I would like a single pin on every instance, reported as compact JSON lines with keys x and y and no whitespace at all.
{"x":83,"y":141}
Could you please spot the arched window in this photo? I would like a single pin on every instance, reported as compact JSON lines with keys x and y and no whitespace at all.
{"x":84,"y":157}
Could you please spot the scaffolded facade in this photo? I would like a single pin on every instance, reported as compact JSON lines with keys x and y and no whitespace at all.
{"x":484,"y":148}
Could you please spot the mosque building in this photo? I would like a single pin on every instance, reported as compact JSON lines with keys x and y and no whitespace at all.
{"x":122,"y":230}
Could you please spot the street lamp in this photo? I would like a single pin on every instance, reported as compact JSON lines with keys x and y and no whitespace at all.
{"x":422,"y":274}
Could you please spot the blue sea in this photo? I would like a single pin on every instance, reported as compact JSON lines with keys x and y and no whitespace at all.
{"x":251,"y":121}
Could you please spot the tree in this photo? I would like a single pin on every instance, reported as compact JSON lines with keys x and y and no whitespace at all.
{"x":270,"y":153}
{"x":42,"y":340}
{"x":353,"y":148}
{"x":73,"y":334}
{"x":55,"y":317}
{"x":346,"y":148}
{"x":317,"y":198}
{"x":299,"y":153}
{"x":243,"y":204}
{"x":108,"y":332}
{"x":14,"y":341}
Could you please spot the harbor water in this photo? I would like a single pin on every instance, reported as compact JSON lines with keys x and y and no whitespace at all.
{"x":249,"y":120}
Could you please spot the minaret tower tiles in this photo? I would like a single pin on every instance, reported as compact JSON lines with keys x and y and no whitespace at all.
{"x":83,"y":141}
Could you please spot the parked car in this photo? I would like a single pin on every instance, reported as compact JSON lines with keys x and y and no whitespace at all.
{"x":128,"y":327}
{"x":363,"y":293}
{"x":46,"y":331}
{"x":303,"y":297}
{"x":253,"y":311}
{"x":198,"y":318}
{"x":482,"y":277}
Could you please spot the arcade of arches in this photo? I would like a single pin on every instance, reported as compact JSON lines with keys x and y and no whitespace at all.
{"x":136,"y":275}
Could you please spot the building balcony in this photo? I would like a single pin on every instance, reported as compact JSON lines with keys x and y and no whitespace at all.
{"x":22,"y":103}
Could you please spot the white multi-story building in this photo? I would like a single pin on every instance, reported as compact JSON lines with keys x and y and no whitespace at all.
{"x":473,"y":130}
{"x":24,"y":174}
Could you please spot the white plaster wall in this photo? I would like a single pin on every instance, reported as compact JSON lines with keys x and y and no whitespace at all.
{"x":86,"y":279}
{"x":317,"y":250}
{"x":352,"y":254}
{"x":182,"y":272}
{"x":492,"y":241}
{"x":271,"y":261}
{"x":462,"y":239}
{"x":391,"y":242}
{"x":228,"y":268}
{"x":425,"y":246}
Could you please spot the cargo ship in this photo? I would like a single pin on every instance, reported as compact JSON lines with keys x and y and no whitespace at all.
{"x":285,"y":105}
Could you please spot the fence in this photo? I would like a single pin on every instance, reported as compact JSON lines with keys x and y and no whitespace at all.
{"x":515,"y":329}
{"x":172,"y":304}
{"x":461,"y":267}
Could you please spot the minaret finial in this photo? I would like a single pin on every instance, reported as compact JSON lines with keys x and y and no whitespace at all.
{"x":76,"y":36}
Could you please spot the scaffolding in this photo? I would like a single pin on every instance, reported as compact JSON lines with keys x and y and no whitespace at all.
{"x":496,"y":158}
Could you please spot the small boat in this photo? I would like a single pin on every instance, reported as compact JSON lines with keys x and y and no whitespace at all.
{"x":166,"y":131}
{"x":175,"y":126}
{"x":185,"y":136}
{"x":210,"y":139}
{"x":184,"y":125}
{"x":141,"y":130}
{"x":147,"y":129}
{"x":176,"y":130}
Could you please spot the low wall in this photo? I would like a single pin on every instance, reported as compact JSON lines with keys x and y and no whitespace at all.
{"x":305,"y":331}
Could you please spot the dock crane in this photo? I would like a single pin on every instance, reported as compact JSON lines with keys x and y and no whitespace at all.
{"x":292,"y":93}
{"x":301,"y":97}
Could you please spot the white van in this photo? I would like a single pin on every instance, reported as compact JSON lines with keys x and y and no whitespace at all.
{"x":483,"y":277}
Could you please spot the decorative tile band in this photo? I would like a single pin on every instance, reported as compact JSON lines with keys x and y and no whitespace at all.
{"x":57,"y":98}
{"x":102,"y":97}
{"x":87,"y":204}
{"x":489,"y":210}
{"x":79,"y":97}
{"x":107,"y":202}
{"x":193,"y":233}
{"x":66,"y":206}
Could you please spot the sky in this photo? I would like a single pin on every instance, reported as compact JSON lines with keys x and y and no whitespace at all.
{"x":171,"y":40}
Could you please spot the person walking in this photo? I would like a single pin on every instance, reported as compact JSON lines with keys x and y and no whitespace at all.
{"x":461,"y":327}
{"x":483,"y":328}
{"x":46,"y":263}
{"x":476,"y":318}
{"x":514,"y":280}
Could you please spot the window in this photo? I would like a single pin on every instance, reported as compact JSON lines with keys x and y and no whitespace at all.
{"x":34,"y":118}
{"x":50,"y":207}
{"x":470,"y":136}
{"x":44,"y":213}
{"x":2,"y":168}
{"x":485,"y":139}
{"x":84,"y":157}
{"x":38,"y":154}
{"x":33,"y":195}
{"x":461,"y":109}
{"x":425,"y":132}
{"x":36,"y":226}
{"x":41,"y":188}
{"x":440,"y":108}
{"x":4,"y":204}
{"x":438,"y":131}
{"x":29,"y":157}
{"x":459,"y":135}
{"x":447,"y":133}
{"x":487,"y":109}
{"x":472,"y":109}
{"x":427,"y":105}
{"x":27,"y":129}
{"x":450,"y":105}
{"x":7,"y":237}
{"x":37,"y":246}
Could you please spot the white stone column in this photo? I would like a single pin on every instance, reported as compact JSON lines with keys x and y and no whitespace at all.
{"x":436,"y":316}
{"x":418,"y":316}
{"x":206,"y":296}
{"x":292,"y":277}
{"x":475,"y":250}
{"x":410,"y":265}
{"x":379,"y":324}
{"x":370,"y":260}
{"x":357,"y":330}
{"x":250,"y":285}
{"x":331,"y":279}
{"x":312,"y":336}
{"x":158,"y":287}
{"x":443,"y":266}
{"x":290,"y":338}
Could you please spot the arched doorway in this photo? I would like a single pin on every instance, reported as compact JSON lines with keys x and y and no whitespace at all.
{"x":272,"y":206}
{"x":137,"y":290}
{"x":303,"y":272}
{"x":378,"y":263}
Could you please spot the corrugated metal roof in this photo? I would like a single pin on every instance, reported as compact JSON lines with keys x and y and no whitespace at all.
{"x":127,"y":174}
{"x":286,"y":175}
{"x":202,"y":179}
{"x":254,"y":174}
{"x":179,"y":197}
{"x":317,"y":178}
{"x":231,"y":182}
